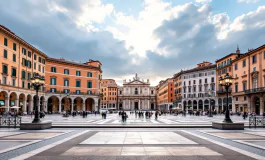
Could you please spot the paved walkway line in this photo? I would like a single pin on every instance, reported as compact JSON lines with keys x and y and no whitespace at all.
{"x":228,"y":146}
{"x":154,"y":121}
{"x":105,"y":121}
{"x":37,"y":151}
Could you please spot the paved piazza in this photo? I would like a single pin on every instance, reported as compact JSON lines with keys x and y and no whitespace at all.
{"x":132,"y":143}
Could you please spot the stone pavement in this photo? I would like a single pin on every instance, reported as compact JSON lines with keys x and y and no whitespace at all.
{"x":115,"y":120}
{"x":132,"y":143}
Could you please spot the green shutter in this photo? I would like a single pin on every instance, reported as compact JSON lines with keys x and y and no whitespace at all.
{"x":5,"y":53}
{"x":14,"y":46}
{"x":89,"y":84}
{"x":14,"y":58}
{"x":5,"y":42}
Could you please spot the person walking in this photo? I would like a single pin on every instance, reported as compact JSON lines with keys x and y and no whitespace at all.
{"x":123,"y":116}
{"x":156,"y":114}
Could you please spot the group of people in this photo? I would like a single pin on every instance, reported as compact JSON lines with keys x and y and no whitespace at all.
{"x":139,"y":114}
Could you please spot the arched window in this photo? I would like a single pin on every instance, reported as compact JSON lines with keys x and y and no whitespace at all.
{"x":136,"y":91}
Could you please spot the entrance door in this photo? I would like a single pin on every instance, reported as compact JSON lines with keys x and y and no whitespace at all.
{"x":152,"y":106}
{"x":257,"y":106}
{"x":136,"y":106}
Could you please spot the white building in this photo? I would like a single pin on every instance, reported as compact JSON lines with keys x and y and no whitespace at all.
{"x":196,"y":84}
{"x":136,"y":95}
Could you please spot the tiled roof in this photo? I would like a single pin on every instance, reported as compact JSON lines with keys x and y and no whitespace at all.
{"x":212,"y":66}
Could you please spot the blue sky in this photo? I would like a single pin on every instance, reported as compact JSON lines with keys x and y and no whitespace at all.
{"x":154,"y":38}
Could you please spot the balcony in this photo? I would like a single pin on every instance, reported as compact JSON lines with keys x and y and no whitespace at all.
{"x":177,"y":100}
{"x":222,"y":91}
{"x":256,"y":90}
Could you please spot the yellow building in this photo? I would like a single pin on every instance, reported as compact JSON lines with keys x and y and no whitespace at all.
{"x":109,"y":90}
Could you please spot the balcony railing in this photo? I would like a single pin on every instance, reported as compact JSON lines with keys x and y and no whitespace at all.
{"x":74,"y":93}
{"x":221,"y":91}
{"x":256,"y":90}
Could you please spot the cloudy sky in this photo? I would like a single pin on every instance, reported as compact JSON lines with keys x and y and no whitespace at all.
{"x":154,"y":38}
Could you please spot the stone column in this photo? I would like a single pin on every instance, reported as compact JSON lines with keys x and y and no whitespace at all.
{"x":261,"y":105}
{"x":192,"y":105}
{"x":123,"y":104}
{"x":31,"y":105}
{"x":24,"y":105}
{"x":72,"y":107}
{"x":202,"y":105}
{"x":83,"y":106}
{"x":129,"y":104}
{"x":139,"y":105}
{"x":7,"y":103}
{"x":60,"y":106}
{"x":17,"y":102}
{"x":148,"y":104}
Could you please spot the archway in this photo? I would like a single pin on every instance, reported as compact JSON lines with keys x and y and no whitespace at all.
{"x":189,"y":105}
{"x":195,"y":105}
{"x":3,"y":96}
{"x":206,"y":105}
{"x":120,"y":106}
{"x":200,"y":105}
{"x":184,"y":105}
{"x":66,"y":104}
{"x":29,"y":107}
{"x":152,"y":106}
{"x":256,"y":105}
{"x":22,"y":102}
{"x":90,"y":104}
{"x":53,"y":104}
{"x":13,"y":99}
{"x":78,"y":104}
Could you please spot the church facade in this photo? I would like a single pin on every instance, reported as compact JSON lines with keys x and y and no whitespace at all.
{"x":137,"y":94}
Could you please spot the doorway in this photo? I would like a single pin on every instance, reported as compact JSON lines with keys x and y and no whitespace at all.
{"x":136,"y":106}
{"x":257,"y":106}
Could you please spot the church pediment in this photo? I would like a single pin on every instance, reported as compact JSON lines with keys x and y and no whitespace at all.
{"x":136,"y":82}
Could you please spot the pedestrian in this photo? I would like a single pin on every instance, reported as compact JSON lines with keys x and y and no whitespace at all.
{"x":123,"y":116}
{"x":156,"y":114}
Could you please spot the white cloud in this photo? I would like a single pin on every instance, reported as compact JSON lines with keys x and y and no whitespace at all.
{"x":203,"y":1}
{"x":247,"y":1}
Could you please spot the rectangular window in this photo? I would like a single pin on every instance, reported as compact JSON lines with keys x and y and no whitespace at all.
{"x":89,"y":74}
{"x":53,"y":69}
{"x":89,"y":84}
{"x":14,"y":58}
{"x":29,"y":64}
{"x":66,"y":71}
{"x":245,"y":98}
{"x":34,"y":65}
{"x":66,"y":90}
{"x":244,"y":86}
{"x":254,"y":59}
{"x":29,"y":54}
{"x":39,"y":68}
{"x":78,"y":73}
{"x":212,"y":79}
{"x":77,"y":91}
{"x":14,"y":46}
{"x":205,"y":80}
{"x":236,"y":87}
{"x":23,"y":84}
{"x":194,"y":81}
{"x":43,"y":61}
{"x":14,"y":72}
{"x":24,"y":51}
{"x":29,"y":76}
{"x":244,"y":63}
{"x":35,"y":57}
{"x":40,"y":59}
{"x":28,"y":85}
{"x":23,"y":73}
{"x":13,"y":82}
{"x":66,"y":82}
{"x":5,"y":53}
{"x":4,"y":80}
{"x":5,"y":69}
{"x":236,"y":98}
{"x":53,"y":90}
{"x":77,"y":83}
{"x":236,"y":66}
{"x":53,"y":81}
{"x":5,"y":42}
{"x":43,"y":69}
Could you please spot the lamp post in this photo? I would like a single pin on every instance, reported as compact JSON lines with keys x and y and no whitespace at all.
{"x":37,"y":81}
{"x":210,"y":107}
{"x":226,"y":82}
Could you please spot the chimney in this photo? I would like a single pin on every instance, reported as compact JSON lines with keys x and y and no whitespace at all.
{"x":237,"y":50}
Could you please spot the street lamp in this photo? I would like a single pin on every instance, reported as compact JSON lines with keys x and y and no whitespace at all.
{"x":226,"y":82}
{"x":37,"y":81}
{"x":210,"y":107}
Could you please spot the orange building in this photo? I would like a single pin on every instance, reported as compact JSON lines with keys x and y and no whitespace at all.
{"x":109,"y":90}
{"x":249,"y":81}
{"x":177,"y":89}
{"x":71,"y":85}
{"x":165,"y":94}
{"x":224,"y":66}
{"x":19,"y":60}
